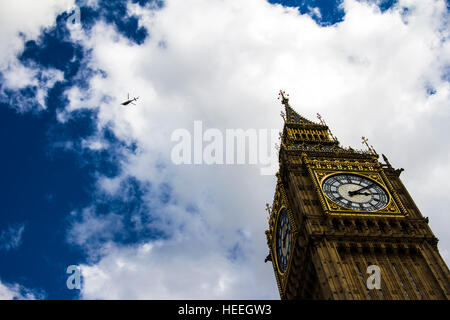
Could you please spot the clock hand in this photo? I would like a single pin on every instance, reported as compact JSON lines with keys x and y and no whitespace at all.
{"x":362,"y":193}
{"x":352,"y":193}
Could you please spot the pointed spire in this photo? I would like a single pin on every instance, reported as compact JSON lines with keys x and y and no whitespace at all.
{"x":290,"y":115}
{"x":284,"y":98}
{"x":300,"y":133}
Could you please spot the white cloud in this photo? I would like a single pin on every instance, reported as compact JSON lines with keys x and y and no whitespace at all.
{"x":17,"y":292}
{"x":223,"y":62}
{"x":181,"y":269}
{"x":90,"y":230}
{"x":11,"y":238}
{"x":26,"y":17}
{"x":23,"y":20}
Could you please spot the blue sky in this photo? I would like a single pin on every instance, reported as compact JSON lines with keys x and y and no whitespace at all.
{"x":84,"y":183}
{"x":41,"y":181}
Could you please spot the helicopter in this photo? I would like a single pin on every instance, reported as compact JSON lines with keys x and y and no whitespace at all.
{"x":128,"y":101}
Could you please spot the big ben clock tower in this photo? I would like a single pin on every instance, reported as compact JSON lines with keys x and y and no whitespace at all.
{"x":337,"y":211}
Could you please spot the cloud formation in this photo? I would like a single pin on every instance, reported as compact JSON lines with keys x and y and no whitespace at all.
{"x":158,"y":230}
{"x":11,"y":238}
{"x":17,"y":292}
{"x":23,"y":20}
{"x":378,"y":74}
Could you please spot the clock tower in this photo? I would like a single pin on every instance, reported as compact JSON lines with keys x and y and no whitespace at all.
{"x":343,"y":226}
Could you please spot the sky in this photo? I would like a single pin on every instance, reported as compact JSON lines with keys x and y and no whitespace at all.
{"x":88,"y":182}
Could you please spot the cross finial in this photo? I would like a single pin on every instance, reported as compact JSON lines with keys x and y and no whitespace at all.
{"x":365,"y":141}
{"x":284,"y":98}
{"x":319,"y":116}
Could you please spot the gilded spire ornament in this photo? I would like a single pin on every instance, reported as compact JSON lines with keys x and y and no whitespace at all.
{"x":322,"y":122}
{"x":365,"y":141}
{"x":284,"y":98}
{"x":268,"y":208}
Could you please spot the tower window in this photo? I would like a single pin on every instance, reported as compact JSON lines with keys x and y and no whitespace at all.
{"x":401,"y":282}
{"x":363,"y":280}
{"x":413,"y":282}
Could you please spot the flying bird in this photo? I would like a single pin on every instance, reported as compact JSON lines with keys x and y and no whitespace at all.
{"x":129,"y":100}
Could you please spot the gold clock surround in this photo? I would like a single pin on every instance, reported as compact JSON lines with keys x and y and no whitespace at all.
{"x":280,"y":202}
{"x":324,"y":168}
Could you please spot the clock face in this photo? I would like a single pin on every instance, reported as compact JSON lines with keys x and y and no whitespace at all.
{"x":355,"y":192}
{"x":283,"y":240}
